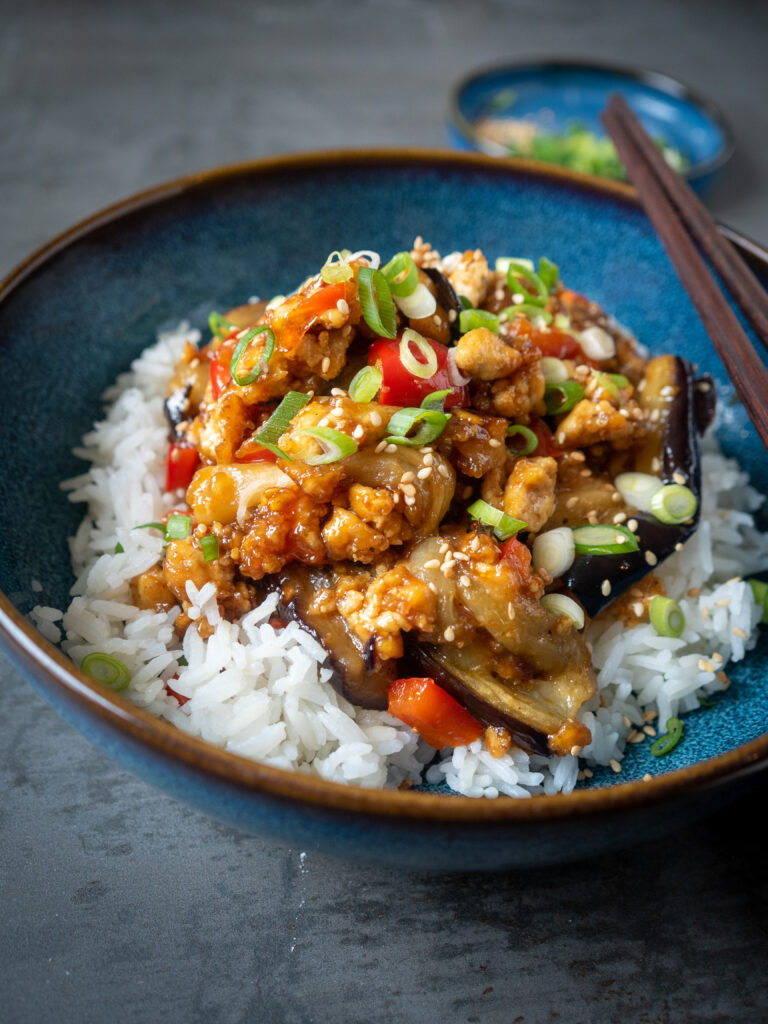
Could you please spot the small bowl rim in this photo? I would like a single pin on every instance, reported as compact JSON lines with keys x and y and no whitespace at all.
{"x":30,"y":651}
{"x":648,"y":76}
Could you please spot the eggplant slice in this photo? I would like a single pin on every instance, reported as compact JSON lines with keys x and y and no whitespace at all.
{"x":357,"y":673}
{"x":447,"y":298}
{"x":671,"y":390}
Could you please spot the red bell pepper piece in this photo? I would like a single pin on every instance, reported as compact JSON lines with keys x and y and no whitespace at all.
{"x":546,"y":445}
{"x":180,"y":467}
{"x":322,"y":299}
{"x":517,"y":556}
{"x":401,"y":387}
{"x":432,"y":712}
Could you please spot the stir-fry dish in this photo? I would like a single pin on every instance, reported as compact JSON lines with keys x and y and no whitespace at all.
{"x":445,"y":468}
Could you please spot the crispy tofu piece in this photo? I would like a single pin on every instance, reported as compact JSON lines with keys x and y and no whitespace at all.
{"x":482,"y":354}
{"x":530,"y":491}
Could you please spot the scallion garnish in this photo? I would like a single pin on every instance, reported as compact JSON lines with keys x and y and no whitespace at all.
{"x":540,"y":292}
{"x":209,"y":545}
{"x":178,"y":526}
{"x":336,"y":269}
{"x":553,"y":370}
{"x":107,"y":670}
{"x":220,"y":326}
{"x":504,"y":526}
{"x":419,"y":305}
{"x":465,"y":302}
{"x":600,"y":539}
{"x":549,"y":273}
{"x":429,"y":424}
{"x":365,"y":385}
{"x":704,"y":703}
{"x":530,"y":441}
{"x":666,"y":616}
{"x":760,"y":593}
{"x":436,"y":399}
{"x":554,"y":550}
{"x":673,"y":504}
{"x":119,"y":549}
{"x":335,"y":445}
{"x":261,"y":363}
{"x":279,"y":421}
{"x":669,"y":740}
{"x":181,"y":661}
{"x":376,"y":302}
{"x":561,"y":604}
{"x":561,"y":396}
{"x":529,"y":310}
{"x":471,"y":319}
{"x":637,"y":489}
{"x":425,"y":367}
{"x":401,"y":274}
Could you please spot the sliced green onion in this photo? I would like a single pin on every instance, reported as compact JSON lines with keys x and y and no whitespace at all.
{"x":619,"y":380}
{"x":181,"y":661}
{"x":365,"y":385}
{"x":336,"y":269}
{"x":637,"y":489}
{"x":596,"y":343}
{"x":666,"y":616}
{"x":674,"y":504}
{"x":108,"y":671}
{"x":279,"y":421}
{"x":150,"y":526}
{"x":401,"y":274}
{"x":376,"y":302}
{"x":562,"y":396}
{"x":760,"y":592}
{"x":538,"y":296}
{"x":261,"y":362}
{"x":209,"y":545}
{"x":220,"y":326}
{"x":604,"y":382}
{"x":561,"y":604}
{"x":471,"y":319}
{"x":554,"y":370}
{"x":669,"y":740}
{"x":425,"y":367}
{"x":430,"y":424}
{"x":465,"y":303}
{"x":420,"y":304}
{"x":504,"y":526}
{"x":704,"y":703}
{"x":561,"y":321}
{"x":554,"y":551}
{"x":529,"y":438}
{"x":119,"y":549}
{"x":528,"y":309}
{"x":600,"y":539}
{"x":436,"y":400}
{"x":503,"y":263}
{"x":178,"y":526}
{"x":549,"y":273}
{"x":335,"y":444}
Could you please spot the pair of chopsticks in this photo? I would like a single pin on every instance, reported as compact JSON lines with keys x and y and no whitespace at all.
{"x":682,"y":222}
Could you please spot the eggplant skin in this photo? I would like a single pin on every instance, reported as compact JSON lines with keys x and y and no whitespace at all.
{"x":358,"y":674}
{"x":176,"y":407}
{"x":447,"y":298}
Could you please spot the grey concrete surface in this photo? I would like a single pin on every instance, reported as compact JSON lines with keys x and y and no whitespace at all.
{"x":118,"y":904}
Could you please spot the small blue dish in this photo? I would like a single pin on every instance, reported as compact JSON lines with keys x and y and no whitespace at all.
{"x":78,"y":311}
{"x":553,"y":95}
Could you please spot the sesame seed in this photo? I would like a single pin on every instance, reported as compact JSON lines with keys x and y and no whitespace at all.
{"x":448,"y":563}
{"x":343,"y":306}
{"x":679,"y":478}
{"x":705,"y":612}
{"x":639,"y":609}
{"x":338,"y":393}
{"x":391,"y":448}
{"x":464,"y":580}
{"x":432,"y":587}
{"x":679,"y":546}
{"x":694,"y":592}
{"x":429,"y":459}
{"x":655,"y":416}
{"x":576,"y":750}
{"x":407,"y":477}
{"x":647,"y":777}
{"x":619,"y":538}
{"x":409,"y":500}
{"x":433,"y":563}
{"x":571,"y":502}
{"x":705,"y":666}
{"x":375,"y":419}
{"x":426,"y":450}
{"x":738,"y":631}
{"x":632,"y":525}
{"x":409,"y":490}
{"x":425,"y":474}
{"x":452,"y":315}
{"x":703,"y":385}
{"x":636,"y":737}
{"x":445,"y":546}
{"x":326,"y":365}
{"x":650,"y":558}
{"x":585,"y":472}
{"x":443,"y":470}
{"x":493,"y":443}
{"x":561,"y":438}
{"x":616,"y":497}
{"x":588,"y":773}
{"x":615,"y":766}
{"x":723,"y":602}
{"x":380,"y":447}
{"x":626,"y":720}
{"x":649,"y":730}
{"x":648,"y":716}
{"x":723,"y":679}
{"x":450,"y":634}
{"x":717,"y":657}
{"x":358,"y":432}
{"x":606,"y":587}
{"x":656,"y":464}
{"x":619,"y":518}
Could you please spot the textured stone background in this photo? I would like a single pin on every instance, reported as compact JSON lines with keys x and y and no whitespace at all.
{"x":119,"y":904}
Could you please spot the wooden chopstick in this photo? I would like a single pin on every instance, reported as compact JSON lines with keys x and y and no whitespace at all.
{"x":739,"y":279}
{"x":741,"y":361}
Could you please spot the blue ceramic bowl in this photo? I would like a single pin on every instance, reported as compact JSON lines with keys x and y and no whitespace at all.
{"x":78,"y":311}
{"x":555,"y":94}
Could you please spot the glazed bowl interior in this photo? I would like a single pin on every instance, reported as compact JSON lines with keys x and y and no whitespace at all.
{"x":77,"y":313}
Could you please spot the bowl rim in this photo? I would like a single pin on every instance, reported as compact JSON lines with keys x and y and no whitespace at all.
{"x":35,"y":655}
{"x":647,"y":76}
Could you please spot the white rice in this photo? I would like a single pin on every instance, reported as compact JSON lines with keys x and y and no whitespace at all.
{"x":265,"y":693}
